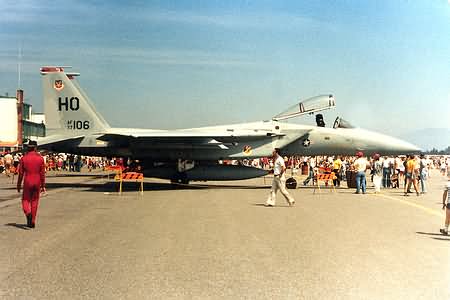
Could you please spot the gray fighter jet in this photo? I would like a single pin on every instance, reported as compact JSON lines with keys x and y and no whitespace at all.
{"x":73,"y":125}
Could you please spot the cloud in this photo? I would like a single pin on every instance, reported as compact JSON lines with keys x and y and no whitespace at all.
{"x":20,"y":12}
{"x":82,"y":13}
{"x":48,"y":12}
{"x":169,"y":57}
{"x":41,"y":55}
{"x":233,"y":21}
{"x":27,"y":68}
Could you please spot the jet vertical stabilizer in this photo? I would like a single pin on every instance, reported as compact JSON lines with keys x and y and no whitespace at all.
{"x":67,"y":108}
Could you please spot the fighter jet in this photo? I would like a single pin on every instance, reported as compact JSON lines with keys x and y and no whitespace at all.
{"x":73,"y":125}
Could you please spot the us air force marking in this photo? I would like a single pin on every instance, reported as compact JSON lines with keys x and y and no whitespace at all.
{"x":306,"y":143}
{"x":58,"y":85}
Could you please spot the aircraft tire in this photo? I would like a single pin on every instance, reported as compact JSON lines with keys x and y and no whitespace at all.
{"x":179,"y":181}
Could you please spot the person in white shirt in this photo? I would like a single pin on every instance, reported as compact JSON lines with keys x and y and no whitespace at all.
{"x":311,"y":166}
{"x":8,"y":159}
{"x":279,"y":181}
{"x":377,"y":168}
{"x":429,"y":164}
{"x":386,"y":172}
{"x":423,"y":173}
{"x":399,"y":169}
{"x":446,"y":204}
{"x":443,"y":166}
{"x":360,"y":166}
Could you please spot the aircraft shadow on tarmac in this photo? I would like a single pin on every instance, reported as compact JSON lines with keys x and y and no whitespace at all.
{"x":20,"y":226}
{"x":432,"y":235}
{"x":75,"y":174}
{"x":148,"y":186}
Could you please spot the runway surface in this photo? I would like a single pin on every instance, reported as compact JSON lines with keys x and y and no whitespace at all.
{"x":218,"y":241}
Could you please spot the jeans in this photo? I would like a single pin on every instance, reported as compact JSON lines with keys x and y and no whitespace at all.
{"x":361,"y":182}
{"x":423,"y":184}
{"x":310,"y":176}
{"x":386,"y":177}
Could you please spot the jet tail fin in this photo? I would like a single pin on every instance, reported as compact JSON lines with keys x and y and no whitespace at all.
{"x":67,"y":108}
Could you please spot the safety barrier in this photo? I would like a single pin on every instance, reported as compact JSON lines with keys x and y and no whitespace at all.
{"x":130,"y":176}
{"x":117,"y":169}
{"x":114,"y":168}
{"x":324,"y":178}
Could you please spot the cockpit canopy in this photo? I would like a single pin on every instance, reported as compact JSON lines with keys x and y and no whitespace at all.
{"x":308,"y":106}
{"x":341,"y":123}
{"x":312,"y":105}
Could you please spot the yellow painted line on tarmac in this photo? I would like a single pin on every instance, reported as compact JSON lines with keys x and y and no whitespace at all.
{"x":421,"y":207}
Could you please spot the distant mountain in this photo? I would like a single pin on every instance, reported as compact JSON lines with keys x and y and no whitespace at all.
{"x":429,"y":138}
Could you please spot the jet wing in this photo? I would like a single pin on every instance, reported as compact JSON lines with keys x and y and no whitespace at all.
{"x":308,"y":106}
{"x":184,"y":138}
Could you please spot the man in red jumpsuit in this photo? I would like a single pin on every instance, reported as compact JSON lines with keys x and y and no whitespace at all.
{"x":32,"y":171}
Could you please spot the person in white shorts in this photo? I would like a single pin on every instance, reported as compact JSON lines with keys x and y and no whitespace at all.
{"x":446,"y":204}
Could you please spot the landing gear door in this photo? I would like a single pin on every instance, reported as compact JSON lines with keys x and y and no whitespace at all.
{"x":308,"y":106}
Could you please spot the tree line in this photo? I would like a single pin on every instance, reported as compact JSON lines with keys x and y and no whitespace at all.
{"x":435,"y":151}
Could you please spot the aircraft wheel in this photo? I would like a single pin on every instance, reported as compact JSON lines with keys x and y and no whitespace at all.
{"x":184,"y":181}
{"x":179,"y":181}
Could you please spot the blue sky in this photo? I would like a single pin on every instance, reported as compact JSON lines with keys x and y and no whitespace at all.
{"x":175,"y":64}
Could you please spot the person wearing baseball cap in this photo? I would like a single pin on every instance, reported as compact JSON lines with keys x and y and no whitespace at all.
{"x":361,"y":164}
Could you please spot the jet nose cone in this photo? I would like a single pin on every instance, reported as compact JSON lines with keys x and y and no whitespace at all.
{"x":409,"y":148}
{"x":397,"y":146}
{"x":384,"y":144}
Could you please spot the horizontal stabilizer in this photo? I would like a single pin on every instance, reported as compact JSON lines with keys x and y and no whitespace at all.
{"x":58,"y":142}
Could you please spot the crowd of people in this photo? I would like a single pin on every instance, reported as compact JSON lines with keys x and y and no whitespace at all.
{"x":58,"y":162}
{"x":73,"y":163}
{"x":9,"y":163}
{"x":384,"y":171}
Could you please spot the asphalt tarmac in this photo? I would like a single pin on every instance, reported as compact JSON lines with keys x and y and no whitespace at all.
{"x":218,"y":241}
